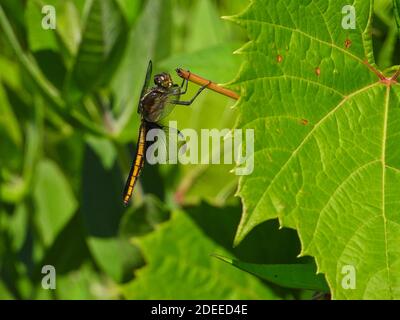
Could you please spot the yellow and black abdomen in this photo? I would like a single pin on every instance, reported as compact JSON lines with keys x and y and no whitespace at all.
{"x":137,"y":164}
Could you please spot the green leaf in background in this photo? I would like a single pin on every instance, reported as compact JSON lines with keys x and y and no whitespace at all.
{"x":215,"y":226}
{"x":130,"y":9}
{"x":18,"y":226}
{"x":387,"y":40}
{"x":8,"y":118}
{"x":84,"y":284}
{"x":102,"y":211}
{"x":13,"y":274}
{"x":21,"y":162}
{"x":101,"y":46}
{"x":108,"y":224}
{"x":327,"y":161}
{"x":296,"y":276}
{"x":71,"y":243}
{"x":144,"y":218}
{"x":396,"y":4}
{"x":69,"y":24}
{"x":38,"y":38}
{"x":115,"y":256}
{"x":76,"y":275}
{"x":101,"y":195}
{"x":104,"y":149}
{"x":54,"y":200}
{"x":10,"y":131}
{"x":267,"y":244}
{"x":44,"y":86}
{"x":70,"y":147}
{"x":67,"y":34}
{"x":16,"y":10}
{"x":11,"y":74}
{"x":205,"y":28}
{"x":5,"y":294}
{"x":184,"y":270}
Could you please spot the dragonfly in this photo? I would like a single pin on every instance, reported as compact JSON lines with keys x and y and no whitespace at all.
{"x":155,"y":103}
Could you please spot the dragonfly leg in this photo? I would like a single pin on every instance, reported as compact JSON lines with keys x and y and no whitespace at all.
{"x":188,"y":103}
{"x":186,"y":87}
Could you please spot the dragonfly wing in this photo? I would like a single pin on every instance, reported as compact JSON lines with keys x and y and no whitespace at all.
{"x":146,"y":83}
{"x":162,"y":142}
{"x":173,"y":94}
{"x":173,"y":134}
{"x":137,"y":164}
{"x":156,"y":144}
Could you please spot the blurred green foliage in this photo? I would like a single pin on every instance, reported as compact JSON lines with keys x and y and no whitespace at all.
{"x":68,"y":127}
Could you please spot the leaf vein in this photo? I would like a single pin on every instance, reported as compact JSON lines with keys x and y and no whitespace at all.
{"x":294,"y":153}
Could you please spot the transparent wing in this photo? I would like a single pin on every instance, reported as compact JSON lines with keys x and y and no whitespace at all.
{"x":172,"y":135}
{"x":163,"y":144}
{"x":146,"y":83}
{"x":174,"y":94}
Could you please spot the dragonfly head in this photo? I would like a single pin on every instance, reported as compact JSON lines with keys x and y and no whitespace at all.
{"x":163,"y":80}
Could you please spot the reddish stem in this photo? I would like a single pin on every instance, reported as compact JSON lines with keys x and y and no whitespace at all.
{"x":374,"y":70}
{"x":210,"y":85}
{"x":396,"y":76}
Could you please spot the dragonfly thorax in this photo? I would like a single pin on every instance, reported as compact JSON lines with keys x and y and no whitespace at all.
{"x":152,"y":104}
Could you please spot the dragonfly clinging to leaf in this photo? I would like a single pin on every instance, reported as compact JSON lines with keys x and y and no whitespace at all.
{"x":155,"y":103}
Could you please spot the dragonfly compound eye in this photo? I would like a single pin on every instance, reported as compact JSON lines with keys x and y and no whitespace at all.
{"x":163,"y":79}
{"x":158,"y":79}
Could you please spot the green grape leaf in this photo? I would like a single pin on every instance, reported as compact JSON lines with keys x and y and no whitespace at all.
{"x":179,"y":267}
{"x":296,"y":276}
{"x":326,"y":156}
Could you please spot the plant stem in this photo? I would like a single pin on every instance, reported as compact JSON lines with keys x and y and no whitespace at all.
{"x":202,"y":82}
{"x":396,"y":75}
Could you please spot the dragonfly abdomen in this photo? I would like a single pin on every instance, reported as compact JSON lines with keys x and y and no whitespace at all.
{"x":137,"y":164}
